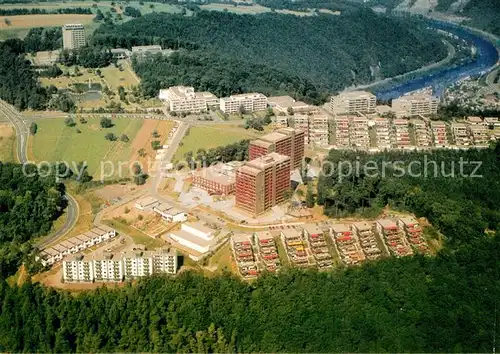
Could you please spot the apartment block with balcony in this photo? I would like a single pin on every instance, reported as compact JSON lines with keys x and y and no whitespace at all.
{"x":367,"y":239}
{"x":440,"y":138}
{"x":401,"y":134}
{"x":281,"y":121}
{"x":248,"y":102}
{"x":347,"y":244}
{"x":301,"y":122}
{"x":414,"y":105}
{"x":108,"y":268}
{"x":285,"y":141}
{"x":243,"y":254}
{"x":393,"y":237}
{"x":410,"y":226}
{"x":73,"y":36}
{"x":185,"y":99}
{"x":295,"y":247}
{"x":283,"y":104}
{"x":383,"y":133}
{"x":319,"y":130}
{"x":267,"y":250}
{"x":165,"y":261}
{"x":479,"y":134}
{"x":78,"y":268}
{"x":422,"y":133}
{"x":315,"y":237}
{"x":342,"y":132}
{"x":262,"y":183}
{"x":460,"y":134}
{"x":359,"y":136}
{"x":137,"y":264}
{"x":353,"y":102}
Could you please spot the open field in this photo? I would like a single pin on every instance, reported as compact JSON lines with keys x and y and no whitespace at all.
{"x":55,"y":141}
{"x":240,"y":9}
{"x":114,"y":78}
{"x":30,"y":21}
{"x":7,"y":143}
{"x":208,"y":137}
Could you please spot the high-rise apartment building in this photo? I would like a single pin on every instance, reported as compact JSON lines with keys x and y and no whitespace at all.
{"x":414,"y":105}
{"x":78,"y":268}
{"x":285,"y":141}
{"x":248,"y":102}
{"x":262,"y":183}
{"x":137,"y":264}
{"x":185,"y":99}
{"x":352,"y":102}
{"x":108,"y":268}
{"x":73,"y":36}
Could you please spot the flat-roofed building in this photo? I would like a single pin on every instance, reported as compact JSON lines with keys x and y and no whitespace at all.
{"x":78,"y":268}
{"x":46,"y":58}
{"x":262,"y":183}
{"x":492,"y":122}
{"x":475,"y":120}
{"x":414,"y":105}
{"x":281,"y":121}
{"x":460,"y":133}
{"x":169,"y":213}
{"x":73,"y":36}
{"x":301,"y":122}
{"x":342,"y":132}
{"x":108,"y":268}
{"x":283,"y":104}
{"x":359,"y":136}
{"x":120,"y":53}
{"x":401,"y":133}
{"x":195,"y":236}
{"x":146,"y":49}
{"x":185,"y":99}
{"x":422,"y":133}
{"x":295,"y":247}
{"x":479,"y":134}
{"x":216,"y":179}
{"x":137,"y":264}
{"x":72,"y":247}
{"x":146,"y":203}
{"x":165,"y":261}
{"x":267,"y":251}
{"x":319,"y":129}
{"x":393,"y":237}
{"x":438,"y":129}
{"x":352,"y":102}
{"x":383,"y":132}
{"x":286,"y":141}
{"x":247,"y":102}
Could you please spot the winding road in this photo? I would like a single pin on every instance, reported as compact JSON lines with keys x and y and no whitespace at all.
{"x":22,"y":133}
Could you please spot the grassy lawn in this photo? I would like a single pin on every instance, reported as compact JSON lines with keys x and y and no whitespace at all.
{"x":137,"y":236}
{"x":55,"y":141}
{"x":7,"y":143}
{"x":114,"y":78}
{"x":208,"y":137}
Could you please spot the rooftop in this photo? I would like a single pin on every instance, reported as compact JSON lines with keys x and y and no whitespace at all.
{"x":387,"y":223}
{"x":162,"y":207}
{"x":341,"y":228}
{"x":193,"y":239}
{"x":362,"y":225}
{"x":198,"y":225}
{"x":357,"y":94}
{"x":291,"y":233}
{"x":240,"y":237}
{"x":273,"y":137}
{"x":312,"y":229}
{"x":264,"y":235}
{"x":267,"y":160}
{"x":146,"y":201}
{"x":416,"y":97}
{"x":408,"y":220}
{"x":475,"y":119}
{"x":219,"y":173}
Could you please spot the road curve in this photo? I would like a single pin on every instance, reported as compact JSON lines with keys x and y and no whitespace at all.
{"x":22,"y":133}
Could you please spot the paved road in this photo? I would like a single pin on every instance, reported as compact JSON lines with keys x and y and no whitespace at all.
{"x":22,"y":132}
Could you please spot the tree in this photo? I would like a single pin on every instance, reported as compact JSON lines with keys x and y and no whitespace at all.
{"x":289,"y":110}
{"x":310,"y":200}
{"x":83,"y":120}
{"x":106,"y":123}
{"x":139,"y":175}
{"x":33,"y":128}
{"x":155,"y":134}
{"x":141,"y":152}
{"x":110,"y":137}
{"x":156,"y":145}
{"x":78,"y":131}
{"x":7,"y":21}
{"x":124,"y":138}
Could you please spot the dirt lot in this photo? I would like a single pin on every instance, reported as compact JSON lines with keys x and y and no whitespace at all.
{"x":114,"y":191}
{"x":29,"y":21}
{"x":143,"y":141}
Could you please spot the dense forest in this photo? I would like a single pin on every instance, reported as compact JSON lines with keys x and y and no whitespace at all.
{"x":232,"y":152}
{"x":42,"y":39}
{"x":432,"y":185}
{"x":19,"y":85}
{"x":416,"y":304}
{"x":29,"y":204}
{"x":330,"y":52}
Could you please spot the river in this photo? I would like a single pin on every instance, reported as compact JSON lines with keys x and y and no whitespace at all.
{"x":487,"y":56}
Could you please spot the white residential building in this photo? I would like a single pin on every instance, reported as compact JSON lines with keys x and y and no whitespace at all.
{"x":383,"y":133}
{"x":137,"y":264}
{"x":165,"y":261}
{"x":353,"y":102}
{"x":78,"y":268}
{"x":342,"y":132}
{"x":108,"y":268}
{"x":73,"y":36}
{"x":319,"y":134}
{"x":414,"y":105}
{"x":185,"y":99}
{"x":422,"y":133}
{"x":249,"y":102}
{"x":359,"y":136}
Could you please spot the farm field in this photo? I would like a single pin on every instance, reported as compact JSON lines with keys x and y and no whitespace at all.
{"x":55,"y":141}
{"x":30,"y":21}
{"x":208,"y":137}
{"x":7,"y":143}
{"x":240,"y":9}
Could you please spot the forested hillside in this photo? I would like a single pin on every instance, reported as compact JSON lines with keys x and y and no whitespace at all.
{"x":28,"y":206}
{"x":330,"y":52}
{"x":460,"y":201}
{"x":442,"y":304}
